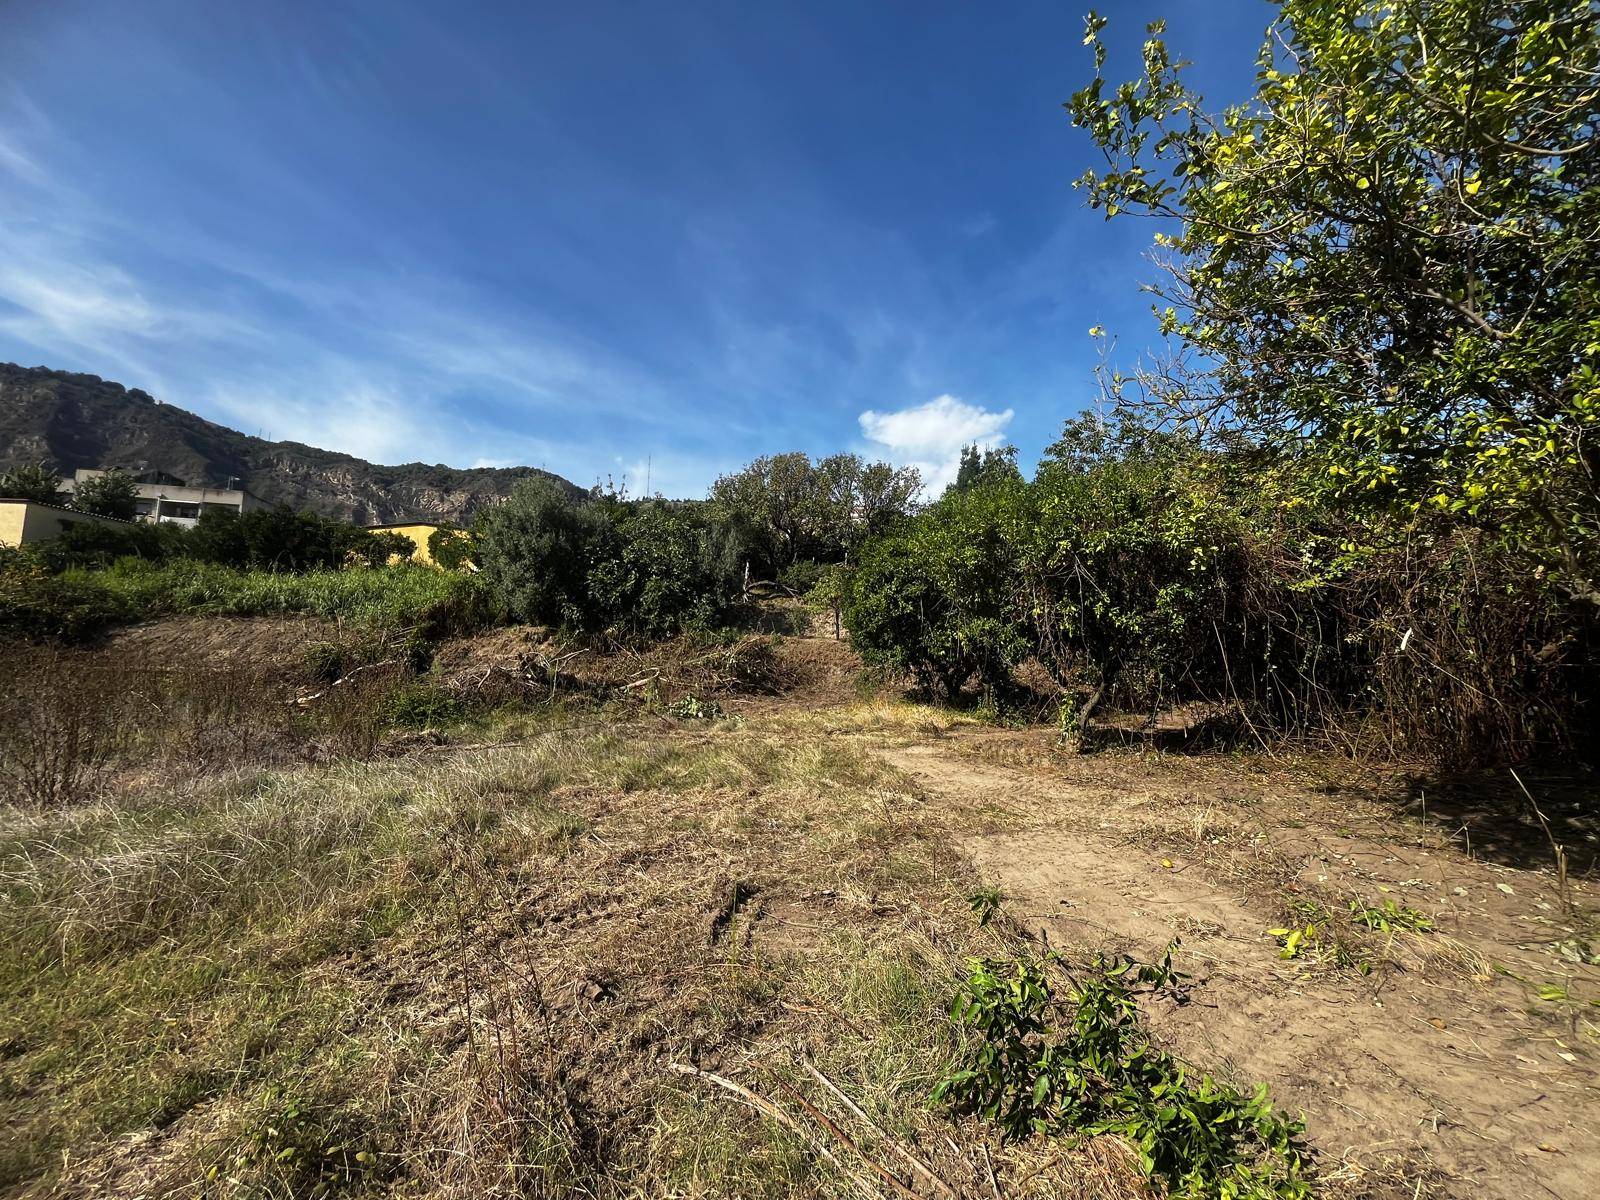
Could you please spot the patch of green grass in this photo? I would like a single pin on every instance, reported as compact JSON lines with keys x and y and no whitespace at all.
{"x":388,"y":597}
{"x":422,"y":705}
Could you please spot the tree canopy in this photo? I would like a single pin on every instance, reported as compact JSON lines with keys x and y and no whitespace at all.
{"x":31,"y":481}
{"x":792,"y":509}
{"x":1386,"y":262}
{"x":109,"y":494}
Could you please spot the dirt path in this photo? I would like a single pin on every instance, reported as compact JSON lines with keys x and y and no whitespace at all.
{"x":1439,"y":1071}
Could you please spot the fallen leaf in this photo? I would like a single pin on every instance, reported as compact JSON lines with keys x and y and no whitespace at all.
{"x":1436,"y":1022}
{"x":1548,"y":1148}
{"x":1506,"y":888}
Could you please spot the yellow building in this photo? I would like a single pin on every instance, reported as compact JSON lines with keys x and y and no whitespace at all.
{"x":23,"y":522}
{"x":418,"y":532}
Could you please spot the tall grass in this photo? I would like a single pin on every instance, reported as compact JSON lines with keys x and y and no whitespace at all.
{"x":80,"y":602}
{"x":388,"y":596}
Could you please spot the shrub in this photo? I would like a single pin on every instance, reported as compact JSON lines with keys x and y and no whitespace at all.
{"x":424,"y":706}
{"x":386,"y":546}
{"x":31,"y":481}
{"x":451,"y":548}
{"x":109,"y":494}
{"x":534,"y":552}
{"x":59,"y":726}
{"x":647,"y":568}
{"x":91,"y":545}
{"x":1035,"y":1066}
{"x":37,"y":604}
{"x":657,"y":572}
{"x":1130,"y":564}
{"x":935,"y":597}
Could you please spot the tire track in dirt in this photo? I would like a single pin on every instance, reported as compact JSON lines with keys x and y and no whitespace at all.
{"x":1413,"y":1082}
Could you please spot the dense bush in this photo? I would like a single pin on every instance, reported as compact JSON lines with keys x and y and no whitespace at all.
{"x":275,"y":539}
{"x":31,"y":481}
{"x":86,"y":544}
{"x":645,"y":568}
{"x":935,"y":597}
{"x":283,"y":539}
{"x":534,"y":553}
{"x":37,"y":603}
{"x":451,"y":548}
{"x":1141,"y":570}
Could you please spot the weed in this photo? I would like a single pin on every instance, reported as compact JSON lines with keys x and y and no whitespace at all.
{"x":1389,"y":917}
{"x":692,"y":708}
{"x":1578,"y":950}
{"x":59,"y":726}
{"x":1089,"y":1068}
{"x":985,"y":903}
{"x":324,"y":661}
{"x":1295,"y":942}
{"x":424,"y":706}
{"x":301,"y":1147}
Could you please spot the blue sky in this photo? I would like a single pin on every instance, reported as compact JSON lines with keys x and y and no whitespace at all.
{"x":581,"y":236}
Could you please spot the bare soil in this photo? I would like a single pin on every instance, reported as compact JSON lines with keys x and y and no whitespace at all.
{"x":1436,"y":1070}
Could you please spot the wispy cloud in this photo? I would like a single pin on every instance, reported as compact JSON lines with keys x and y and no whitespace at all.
{"x":17,"y":163}
{"x":931,"y":436}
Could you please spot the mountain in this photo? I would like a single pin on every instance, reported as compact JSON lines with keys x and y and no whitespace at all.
{"x":84,"y":421}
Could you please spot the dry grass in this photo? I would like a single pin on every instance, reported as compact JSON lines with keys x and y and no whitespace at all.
{"x":469,"y":972}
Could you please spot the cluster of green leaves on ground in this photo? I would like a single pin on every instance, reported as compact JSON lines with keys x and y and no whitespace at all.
{"x":1034,"y":1063}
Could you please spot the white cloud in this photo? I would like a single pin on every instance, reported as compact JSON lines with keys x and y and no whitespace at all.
{"x":930,"y":436}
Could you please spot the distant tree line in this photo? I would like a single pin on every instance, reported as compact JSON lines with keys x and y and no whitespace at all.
{"x":654,"y":567}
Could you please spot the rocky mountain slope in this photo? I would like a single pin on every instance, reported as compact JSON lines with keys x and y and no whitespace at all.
{"x":85,"y":421}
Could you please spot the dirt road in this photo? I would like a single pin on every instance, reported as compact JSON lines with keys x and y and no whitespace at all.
{"x":1459,"y":1060}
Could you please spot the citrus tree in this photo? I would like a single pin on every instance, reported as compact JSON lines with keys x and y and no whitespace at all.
{"x":1387,"y":260}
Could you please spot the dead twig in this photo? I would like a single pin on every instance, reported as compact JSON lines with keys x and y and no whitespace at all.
{"x":832,"y":1126}
{"x":988,"y":1164}
{"x":1563,"y":890}
{"x":915,"y":1163}
{"x":302,"y":701}
{"x":767,"y":1108}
